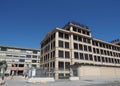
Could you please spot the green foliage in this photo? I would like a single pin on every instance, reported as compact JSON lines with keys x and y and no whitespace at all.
{"x":3,"y":64}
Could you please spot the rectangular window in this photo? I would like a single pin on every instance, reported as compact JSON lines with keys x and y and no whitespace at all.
{"x":81,"y":56}
{"x":28,"y":56}
{"x":75,"y":37}
{"x":86,"y":56}
{"x":103,"y":59}
{"x":67,"y":54}
{"x":79,"y":38}
{"x":95,"y":58}
{"x":61,"y":65}
{"x":67,"y":65}
{"x":75,"y":46}
{"x":80,"y":47}
{"x":61,"y":44}
{"x":66,"y":36}
{"x":21,"y":60}
{"x":99,"y":59}
{"x":66,"y":44}
{"x":85,"y":48}
{"x":90,"y":57}
{"x":61,"y":54}
{"x":60,"y":34}
{"x":76,"y":55}
{"x":89,"y":48}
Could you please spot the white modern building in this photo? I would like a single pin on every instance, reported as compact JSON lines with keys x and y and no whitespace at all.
{"x":19,"y":59}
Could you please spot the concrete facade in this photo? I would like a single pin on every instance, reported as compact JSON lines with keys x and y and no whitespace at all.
{"x":74,"y":44}
{"x":19,"y":59}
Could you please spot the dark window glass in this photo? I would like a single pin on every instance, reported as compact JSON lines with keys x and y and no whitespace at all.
{"x":89,"y":48}
{"x":74,"y":37}
{"x":79,"y":30}
{"x":85,"y":48}
{"x":76,"y":55}
{"x":66,"y":36}
{"x":67,"y":54}
{"x":75,"y":46}
{"x":74,"y":29}
{"x":95,"y":58}
{"x":28,"y":56}
{"x":86,"y":56}
{"x":34,"y":61}
{"x":67,"y":65}
{"x":99,"y":60}
{"x":90,"y":56}
{"x":61,"y":65}
{"x":66,"y":44}
{"x":88,"y":33}
{"x":3,"y":49}
{"x":61,"y":54}
{"x":81,"y":56}
{"x":80,"y":47}
{"x":83,"y":32}
{"x":60,"y":34}
{"x":106,"y":59}
{"x":21,"y":60}
{"x":79,"y":38}
{"x":103,"y":59}
{"x":61,"y":44}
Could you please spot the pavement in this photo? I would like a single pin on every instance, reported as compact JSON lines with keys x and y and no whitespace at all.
{"x":20,"y":81}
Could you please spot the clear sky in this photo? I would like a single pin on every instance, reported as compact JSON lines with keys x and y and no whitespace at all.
{"x":24,"y":23}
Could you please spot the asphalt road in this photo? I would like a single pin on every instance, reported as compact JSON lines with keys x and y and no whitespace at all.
{"x":20,"y":81}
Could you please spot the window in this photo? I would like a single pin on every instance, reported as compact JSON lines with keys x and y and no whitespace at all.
{"x":75,"y":46}
{"x":89,"y":48}
{"x":97,"y":51}
{"x":95,"y":58}
{"x":99,"y":60}
{"x":86,"y":56}
{"x":81,"y":56}
{"x":103,"y":59}
{"x":34,"y":61}
{"x":61,"y":44}
{"x":28,"y":56}
{"x":34,"y":56}
{"x":74,"y":29}
{"x":60,"y":34}
{"x":34,"y":52}
{"x":21,"y":60}
{"x":79,"y":38}
{"x":85,"y":48}
{"x":76,"y":55}
{"x":75,"y":37}
{"x":67,"y":54}
{"x":88,"y":33}
{"x":67,"y":65}
{"x":61,"y":65}
{"x":66,"y":36}
{"x":66,"y":45}
{"x":79,"y":30}
{"x":90,"y":57}
{"x":80,"y":47}
{"x":61,"y":54}
{"x":3,"y":49}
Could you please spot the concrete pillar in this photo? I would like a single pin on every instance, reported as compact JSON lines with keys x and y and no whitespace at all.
{"x":56,"y":69}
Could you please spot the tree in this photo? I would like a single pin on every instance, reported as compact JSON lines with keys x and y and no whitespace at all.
{"x":3,"y":64}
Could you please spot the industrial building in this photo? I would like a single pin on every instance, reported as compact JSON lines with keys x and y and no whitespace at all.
{"x":71,"y":51}
{"x":18,"y":59}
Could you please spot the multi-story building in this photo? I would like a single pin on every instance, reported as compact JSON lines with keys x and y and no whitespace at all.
{"x":19,"y":59}
{"x":72,"y":51}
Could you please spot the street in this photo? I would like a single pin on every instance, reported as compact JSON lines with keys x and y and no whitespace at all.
{"x":20,"y":81}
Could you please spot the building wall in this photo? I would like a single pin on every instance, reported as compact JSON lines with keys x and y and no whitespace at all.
{"x":82,"y":49}
{"x":19,"y":59}
{"x":98,"y":73}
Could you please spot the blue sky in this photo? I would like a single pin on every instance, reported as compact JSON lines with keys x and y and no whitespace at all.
{"x":24,"y":23}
